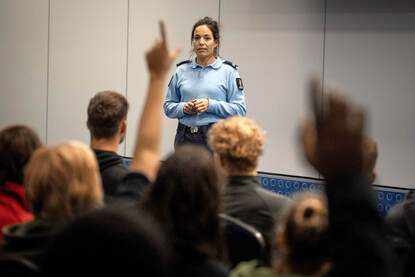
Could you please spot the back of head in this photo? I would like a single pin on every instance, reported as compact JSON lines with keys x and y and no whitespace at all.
{"x":106,"y":111}
{"x":306,"y":235}
{"x":17,"y":143}
{"x":239,"y":141}
{"x":109,"y":241}
{"x":62,"y":180}
{"x":185,"y":200}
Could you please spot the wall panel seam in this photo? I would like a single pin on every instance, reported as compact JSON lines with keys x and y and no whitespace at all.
{"x":47,"y":74}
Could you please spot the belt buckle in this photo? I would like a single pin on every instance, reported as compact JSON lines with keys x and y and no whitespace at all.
{"x":194,"y":130}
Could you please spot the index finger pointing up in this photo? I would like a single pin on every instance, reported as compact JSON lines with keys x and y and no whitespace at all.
{"x":163,"y":32}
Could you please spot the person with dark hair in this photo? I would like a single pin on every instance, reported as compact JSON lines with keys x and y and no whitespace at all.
{"x":113,"y":241}
{"x":107,"y":124}
{"x":204,"y":90}
{"x":237,"y":143}
{"x":356,"y":243}
{"x":17,"y":143}
{"x":185,"y":200}
{"x":303,"y":239}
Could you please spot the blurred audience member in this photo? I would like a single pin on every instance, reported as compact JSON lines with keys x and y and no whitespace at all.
{"x":17,"y":143}
{"x":185,"y":200}
{"x":61,"y":181}
{"x":333,"y":144}
{"x":400,"y":222}
{"x":237,"y":143}
{"x":303,"y":239}
{"x":107,"y":124}
{"x":112,"y":242}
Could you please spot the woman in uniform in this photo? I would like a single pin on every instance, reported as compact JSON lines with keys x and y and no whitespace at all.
{"x":204,"y":90}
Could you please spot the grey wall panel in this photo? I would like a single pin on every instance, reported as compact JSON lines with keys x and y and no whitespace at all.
{"x":370,"y":54}
{"x":23,"y":63}
{"x":144,"y":15}
{"x":277,"y":44}
{"x":88,"y":53}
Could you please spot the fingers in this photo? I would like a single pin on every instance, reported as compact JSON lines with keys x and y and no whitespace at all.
{"x":201,"y":105}
{"x":309,"y":140}
{"x":356,"y":121}
{"x":338,"y":107}
{"x":163,"y":33}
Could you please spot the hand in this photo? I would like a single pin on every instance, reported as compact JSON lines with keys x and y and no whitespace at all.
{"x":159,"y":57}
{"x":201,"y":105}
{"x":189,"y":108}
{"x":336,"y":147}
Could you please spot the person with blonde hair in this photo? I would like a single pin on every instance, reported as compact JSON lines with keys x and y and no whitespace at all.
{"x":61,"y":181}
{"x":237,"y":143}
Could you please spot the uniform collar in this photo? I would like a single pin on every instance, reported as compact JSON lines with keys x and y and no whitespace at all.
{"x":217,"y":64}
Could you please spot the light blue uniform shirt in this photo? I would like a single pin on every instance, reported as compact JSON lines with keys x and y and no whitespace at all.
{"x":216,"y":82}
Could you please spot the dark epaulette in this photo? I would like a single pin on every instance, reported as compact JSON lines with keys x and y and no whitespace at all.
{"x":231,"y":64}
{"x":183,"y":62}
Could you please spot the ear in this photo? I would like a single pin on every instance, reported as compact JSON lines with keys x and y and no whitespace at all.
{"x":217,"y":43}
{"x":123,"y":126}
{"x":372,"y":177}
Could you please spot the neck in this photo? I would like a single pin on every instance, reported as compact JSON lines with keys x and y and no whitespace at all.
{"x":110,"y":144}
{"x":242,"y":173}
{"x":205,"y":60}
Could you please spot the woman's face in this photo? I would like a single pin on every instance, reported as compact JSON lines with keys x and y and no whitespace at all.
{"x":204,"y":43}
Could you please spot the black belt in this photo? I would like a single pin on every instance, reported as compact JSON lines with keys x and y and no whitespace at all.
{"x":196,"y":129}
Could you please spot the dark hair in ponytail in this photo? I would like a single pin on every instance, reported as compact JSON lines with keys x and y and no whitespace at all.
{"x":307,"y":234}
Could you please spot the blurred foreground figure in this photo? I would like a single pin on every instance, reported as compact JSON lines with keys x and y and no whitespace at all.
{"x":61,"y":181}
{"x":111,"y":242}
{"x":333,"y":144}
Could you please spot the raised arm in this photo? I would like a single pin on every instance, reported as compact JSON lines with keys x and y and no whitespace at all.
{"x":147,"y":147}
{"x":335,"y":149}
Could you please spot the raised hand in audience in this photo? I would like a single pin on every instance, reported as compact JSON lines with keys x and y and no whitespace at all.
{"x":333,"y":142}
{"x":147,"y":150}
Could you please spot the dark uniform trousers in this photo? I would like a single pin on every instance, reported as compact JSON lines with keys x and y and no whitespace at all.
{"x":192,"y":135}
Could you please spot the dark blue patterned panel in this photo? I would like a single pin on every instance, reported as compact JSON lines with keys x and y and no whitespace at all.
{"x":385,"y":197}
{"x":287,"y":185}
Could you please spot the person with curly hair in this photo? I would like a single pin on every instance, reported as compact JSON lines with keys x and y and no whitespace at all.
{"x":237,"y":143}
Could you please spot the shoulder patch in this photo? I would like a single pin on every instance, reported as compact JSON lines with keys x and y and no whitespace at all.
{"x":239,"y":84}
{"x":231,"y":64}
{"x":183,"y":62}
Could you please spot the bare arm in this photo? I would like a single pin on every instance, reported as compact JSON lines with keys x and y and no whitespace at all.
{"x":147,"y":147}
